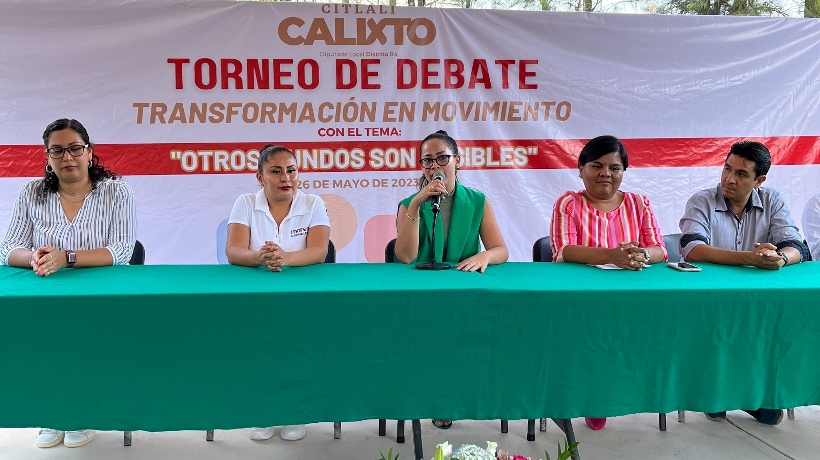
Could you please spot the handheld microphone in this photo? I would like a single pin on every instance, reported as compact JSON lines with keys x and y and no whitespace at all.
{"x":436,"y":203}
{"x":436,"y":199}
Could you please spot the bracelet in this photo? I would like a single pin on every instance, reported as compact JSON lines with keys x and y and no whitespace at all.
{"x":414,"y":220}
{"x":785,"y":259}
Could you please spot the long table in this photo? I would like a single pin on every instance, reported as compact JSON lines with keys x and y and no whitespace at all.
{"x":200,"y":347}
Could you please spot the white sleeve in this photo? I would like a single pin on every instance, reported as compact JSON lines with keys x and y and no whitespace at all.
{"x":242,"y":211}
{"x":318,"y":213}
{"x":21,"y":228}
{"x":122,"y":234}
{"x":811,"y":226}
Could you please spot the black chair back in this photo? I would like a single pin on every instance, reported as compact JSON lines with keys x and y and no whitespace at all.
{"x":541,"y":250}
{"x":331,"y":253}
{"x":138,"y":256}
{"x":390,"y":252}
{"x":672,"y":242}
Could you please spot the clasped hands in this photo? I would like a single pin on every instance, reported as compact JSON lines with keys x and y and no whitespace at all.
{"x":767,"y":257}
{"x":630,"y":256}
{"x":47,"y":260}
{"x":272,"y":256}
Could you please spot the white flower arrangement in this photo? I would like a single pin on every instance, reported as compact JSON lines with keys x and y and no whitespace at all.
{"x":465,"y":452}
{"x":445,"y":451}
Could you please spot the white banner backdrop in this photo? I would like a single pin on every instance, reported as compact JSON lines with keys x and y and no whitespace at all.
{"x":179,"y":96}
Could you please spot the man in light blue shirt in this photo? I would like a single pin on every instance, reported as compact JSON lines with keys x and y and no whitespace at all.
{"x":741,"y":223}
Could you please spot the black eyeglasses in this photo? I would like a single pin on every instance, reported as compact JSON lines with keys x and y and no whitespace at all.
{"x":73,"y":150}
{"x":442,"y":160}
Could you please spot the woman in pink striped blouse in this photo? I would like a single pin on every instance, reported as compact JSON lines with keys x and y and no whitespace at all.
{"x":601,"y":224}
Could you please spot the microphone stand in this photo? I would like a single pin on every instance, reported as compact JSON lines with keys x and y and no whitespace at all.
{"x":433,"y":265}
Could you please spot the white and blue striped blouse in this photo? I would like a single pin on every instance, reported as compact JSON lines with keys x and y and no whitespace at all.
{"x":107,"y":219}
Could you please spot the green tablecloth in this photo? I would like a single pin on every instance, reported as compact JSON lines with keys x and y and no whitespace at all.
{"x":201,"y":347}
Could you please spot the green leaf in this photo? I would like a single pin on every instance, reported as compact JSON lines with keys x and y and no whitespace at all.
{"x":562,"y":454}
{"x":547,"y":454}
{"x":568,"y":448}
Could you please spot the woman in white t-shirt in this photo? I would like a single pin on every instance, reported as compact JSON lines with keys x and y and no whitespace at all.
{"x":279,"y":226}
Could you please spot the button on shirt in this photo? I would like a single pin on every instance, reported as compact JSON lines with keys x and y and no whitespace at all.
{"x":306,"y":211}
{"x":766,"y":219}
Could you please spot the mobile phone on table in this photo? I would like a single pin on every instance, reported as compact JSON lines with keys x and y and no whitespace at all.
{"x":684,"y":266}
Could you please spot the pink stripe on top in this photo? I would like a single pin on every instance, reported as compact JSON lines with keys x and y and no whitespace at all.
{"x":576,"y":222}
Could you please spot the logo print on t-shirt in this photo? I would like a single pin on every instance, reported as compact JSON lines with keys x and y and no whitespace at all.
{"x":298,"y":232}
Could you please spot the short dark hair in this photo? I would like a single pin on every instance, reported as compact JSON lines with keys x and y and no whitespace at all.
{"x":600,"y":146}
{"x":96,"y":172}
{"x":753,"y":151}
{"x":269,"y":151}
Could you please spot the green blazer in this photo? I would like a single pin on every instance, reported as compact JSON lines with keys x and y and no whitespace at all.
{"x":462,"y":238}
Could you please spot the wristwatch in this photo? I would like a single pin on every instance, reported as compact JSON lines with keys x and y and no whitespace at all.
{"x":70,"y":258}
{"x":646,"y":256}
{"x":785,"y":259}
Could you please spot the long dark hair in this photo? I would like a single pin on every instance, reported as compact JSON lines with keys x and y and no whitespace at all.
{"x":451,"y":146}
{"x":96,"y":172}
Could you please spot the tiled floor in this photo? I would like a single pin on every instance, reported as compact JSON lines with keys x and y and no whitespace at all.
{"x":629,"y":437}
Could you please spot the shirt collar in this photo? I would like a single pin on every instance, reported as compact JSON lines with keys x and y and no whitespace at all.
{"x":297,"y":208}
{"x":722,"y":204}
{"x":261,"y":203}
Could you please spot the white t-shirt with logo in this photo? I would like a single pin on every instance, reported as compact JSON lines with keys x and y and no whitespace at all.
{"x":306,"y":211}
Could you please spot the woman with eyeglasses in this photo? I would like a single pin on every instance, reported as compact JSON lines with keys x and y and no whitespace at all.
{"x":79,"y":215}
{"x":465,"y":217}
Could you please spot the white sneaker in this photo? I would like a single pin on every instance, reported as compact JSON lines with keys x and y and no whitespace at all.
{"x":261,"y":434}
{"x":78,"y":438}
{"x":49,"y":437}
{"x":293,"y":432}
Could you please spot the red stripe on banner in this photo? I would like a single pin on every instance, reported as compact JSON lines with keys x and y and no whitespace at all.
{"x":399,"y":155}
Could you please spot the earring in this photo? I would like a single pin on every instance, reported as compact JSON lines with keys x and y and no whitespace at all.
{"x":90,"y":163}
{"x":49,"y":169}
